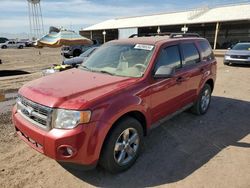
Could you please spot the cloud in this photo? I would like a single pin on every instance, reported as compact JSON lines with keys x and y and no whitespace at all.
{"x":78,"y":13}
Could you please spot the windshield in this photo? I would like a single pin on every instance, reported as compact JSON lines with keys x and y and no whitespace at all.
{"x":242,"y":46}
{"x":88,"y":52}
{"x":129,"y":60}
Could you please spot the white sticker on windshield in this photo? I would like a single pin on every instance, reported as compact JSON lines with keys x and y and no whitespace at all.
{"x":144,"y":47}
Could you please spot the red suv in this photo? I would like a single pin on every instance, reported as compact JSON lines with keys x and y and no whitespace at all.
{"x":100,"y":112}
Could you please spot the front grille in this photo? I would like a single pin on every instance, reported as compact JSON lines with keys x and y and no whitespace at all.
{"x":239,"y":56}
{"x":37,"y":114}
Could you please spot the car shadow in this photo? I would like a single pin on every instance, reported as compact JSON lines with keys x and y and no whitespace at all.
{"x":12,"y":72}
{"x":180,"y":146}
{"x":240,"y":65}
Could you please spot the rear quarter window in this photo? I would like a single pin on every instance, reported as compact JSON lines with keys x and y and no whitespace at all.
{"x":206,"y":50}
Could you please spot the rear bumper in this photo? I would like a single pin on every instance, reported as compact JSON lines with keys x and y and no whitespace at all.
{"x":66,"y":52}
{"x":84,"y":141}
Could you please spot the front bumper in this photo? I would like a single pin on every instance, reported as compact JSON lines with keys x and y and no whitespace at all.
{"x":84,"y":141}
{"x":236,"y":61}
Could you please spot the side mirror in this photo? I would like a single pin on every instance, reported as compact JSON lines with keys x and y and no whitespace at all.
{"x":164,"y":72}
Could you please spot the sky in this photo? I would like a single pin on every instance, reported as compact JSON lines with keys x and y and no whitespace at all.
{"x":77,"y":14}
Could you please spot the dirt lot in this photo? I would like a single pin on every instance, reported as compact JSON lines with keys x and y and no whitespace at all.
{"x":187,"y":151}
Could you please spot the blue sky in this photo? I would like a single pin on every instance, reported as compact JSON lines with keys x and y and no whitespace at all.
{"x":76,"y":14}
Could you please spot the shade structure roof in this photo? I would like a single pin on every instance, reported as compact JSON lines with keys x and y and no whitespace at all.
{"x":201,"y":15}
{"x":63,"y":37}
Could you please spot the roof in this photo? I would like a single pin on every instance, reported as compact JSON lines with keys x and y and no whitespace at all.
{"x":202,"y":15}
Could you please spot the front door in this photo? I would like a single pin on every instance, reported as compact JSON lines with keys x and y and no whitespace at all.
{"x":167,"y":94}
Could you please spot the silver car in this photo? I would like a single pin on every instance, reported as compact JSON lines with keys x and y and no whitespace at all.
{"x":239,"y":54}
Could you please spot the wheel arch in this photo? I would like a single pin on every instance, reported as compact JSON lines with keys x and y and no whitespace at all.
{"x":210,"y":82}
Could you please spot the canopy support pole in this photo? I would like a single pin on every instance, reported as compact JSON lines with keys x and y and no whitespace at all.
{"x":216,"y":34}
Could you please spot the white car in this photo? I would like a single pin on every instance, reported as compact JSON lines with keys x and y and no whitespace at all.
{"x":12,"y":44}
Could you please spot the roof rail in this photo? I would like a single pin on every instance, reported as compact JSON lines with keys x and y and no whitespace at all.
{"x":179,"y":35}
{"x":171,"y":35}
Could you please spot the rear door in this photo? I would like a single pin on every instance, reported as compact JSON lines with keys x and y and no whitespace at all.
{"x":194,"y":69}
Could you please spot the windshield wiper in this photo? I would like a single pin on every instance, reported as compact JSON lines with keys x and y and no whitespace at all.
{"x":85,"y":67}
{"x":106,"y":72}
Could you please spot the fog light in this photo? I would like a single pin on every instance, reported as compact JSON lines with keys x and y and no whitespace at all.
{"x":66,"y":151}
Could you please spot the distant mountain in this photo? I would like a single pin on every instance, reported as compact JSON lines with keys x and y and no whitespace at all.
{"x":15,"y":35}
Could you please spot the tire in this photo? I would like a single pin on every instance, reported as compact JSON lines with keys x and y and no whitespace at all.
{"x":76,"y":53}
{"x":226,"y":63}
{"x":202,"y":104}
{"x":119,"y":159}
{"x":20,"y":47}
{"x":66,"y":56}
{"x":4,"y":47}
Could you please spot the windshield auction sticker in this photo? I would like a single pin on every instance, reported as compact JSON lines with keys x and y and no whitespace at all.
{"x":144,"y":47}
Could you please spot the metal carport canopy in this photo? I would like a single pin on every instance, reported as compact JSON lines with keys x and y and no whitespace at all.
{"x":202,"y":15}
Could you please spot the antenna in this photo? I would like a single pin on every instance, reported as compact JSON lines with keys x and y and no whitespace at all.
{"x":35,"y":19}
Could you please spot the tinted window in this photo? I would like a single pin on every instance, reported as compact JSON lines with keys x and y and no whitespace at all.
{"x":190,"y":53}
{"x":169,"y":56}
{"x":206,"y":51}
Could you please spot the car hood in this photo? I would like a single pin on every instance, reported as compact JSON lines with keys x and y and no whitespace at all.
{"x":238,"y":52}
{"x":75,"y":60}
{"x":74,"y":88}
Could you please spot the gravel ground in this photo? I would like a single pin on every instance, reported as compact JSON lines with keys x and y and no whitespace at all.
{"x":187,"y":151}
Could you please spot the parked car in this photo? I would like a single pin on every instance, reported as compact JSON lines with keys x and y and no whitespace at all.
{"x":100,"y":112}
{"x":27,"y":42}
{"x":239,"y":54}
{"x":3,"y":40}
{"x":78,"y":60}
{"x":12,"y":44}
{"x":76,"y":50}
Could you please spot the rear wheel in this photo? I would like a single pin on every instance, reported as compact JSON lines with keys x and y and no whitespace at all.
{"x":202,"y":104}
{"x":123,"y":145}
{"x":21,"y":47}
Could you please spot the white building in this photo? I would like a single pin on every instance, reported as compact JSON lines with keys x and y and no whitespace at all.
{"x":222,"y":25}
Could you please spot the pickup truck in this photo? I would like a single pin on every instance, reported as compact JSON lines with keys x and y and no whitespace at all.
{"x":12,"y":44}
{"x":77,"y":50}
{"x":100,"y":112}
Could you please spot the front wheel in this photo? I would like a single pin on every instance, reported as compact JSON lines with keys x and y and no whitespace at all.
{"x":202,"y":104}
{"x":123,"y":145}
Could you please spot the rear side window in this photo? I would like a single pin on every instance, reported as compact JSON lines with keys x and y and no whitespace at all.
{"x":169,"y":56}
{"x":190,"y":53}
{"x":206,"y":50}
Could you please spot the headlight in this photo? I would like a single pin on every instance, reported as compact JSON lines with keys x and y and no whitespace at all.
{"x":69,"y":119}
{"x":227,"y":56}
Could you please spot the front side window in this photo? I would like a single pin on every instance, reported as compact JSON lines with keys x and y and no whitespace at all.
{"x":190,"y":53}
{"x":129,"y":60}
{"x":169,"y":56}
